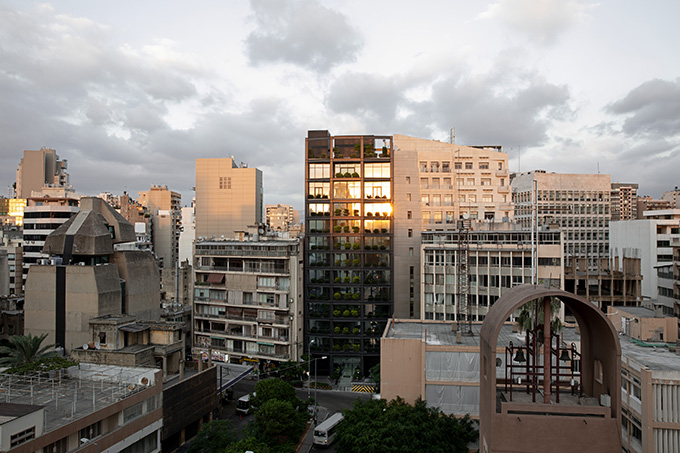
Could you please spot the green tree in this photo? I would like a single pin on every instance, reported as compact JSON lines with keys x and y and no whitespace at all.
{"x":277,"y":389}
{"x":248,"y":444}
{"x":25,"y":349}
{"x":214,"y":436}
{"x":279,"y":422}
{"x":378,"y":426}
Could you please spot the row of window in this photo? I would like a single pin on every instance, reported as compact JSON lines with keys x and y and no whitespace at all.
{"x":350,"y":170}
{"x":445,"y":166}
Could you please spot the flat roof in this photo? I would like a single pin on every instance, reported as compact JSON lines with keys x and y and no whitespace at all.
{"x":641,"y":312}
{"x":72,"y":393}
{"x":10,"y":411}
{"x":442,"y":333}
{"x":655,"y":356}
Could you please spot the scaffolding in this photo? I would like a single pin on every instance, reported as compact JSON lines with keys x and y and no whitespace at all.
{"x":463,"y":317}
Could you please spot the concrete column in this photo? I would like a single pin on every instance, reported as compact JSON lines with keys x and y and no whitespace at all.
{"x":547,"y":350}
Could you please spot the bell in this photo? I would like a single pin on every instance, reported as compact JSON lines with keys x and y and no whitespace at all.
{"x":564,"y":357}
{"x":519,"y":357}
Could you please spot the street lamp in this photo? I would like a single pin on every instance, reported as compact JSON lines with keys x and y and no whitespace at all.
{"x":316,"y":366}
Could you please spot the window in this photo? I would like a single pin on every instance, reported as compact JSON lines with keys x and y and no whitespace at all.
{"x":225,"y":182}
{"x":487,"y":198}
{"x":457,"y":165}
{"x":59,"y":446}
{"x":410,"y":251}
{"x":423,"y":166}
{"x":268,"y":282}
{"x":446,"y":167}
{"x":483,"y":165}
{"x":22,"y":437}
{"x":486,"y":181}
{"x":408,"y":197}
{"x":436,"y":200}
{"x":448,"y":200}
{"x":317,"y":171}
{"x":437,"y":217}
{"x":410,"y":232}
{"x":468,"y":165}
{"x":425,"y":200}
{"x":409,"y":215}
{"x":95,"y":429}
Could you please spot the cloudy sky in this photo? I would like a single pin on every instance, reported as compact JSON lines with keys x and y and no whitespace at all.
{"x":130,"y":92}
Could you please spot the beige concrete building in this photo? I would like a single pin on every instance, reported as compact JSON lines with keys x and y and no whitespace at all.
{"x":40,"y":169}
{"x":578,"y":203}
{"x":673,"y":196}
{"x":88,"y":276}
{"x":122,"y":340}
{"x":165,"y":208}
{"x":435,"y":184}
{"x":624,"y":201}
{"x":498,"y":259}
{"x":12,"y":211}
{"x":247,"y":300}
{"x":650,"y":204}
{"x":228,"y":198}
{"x":280,"y":217}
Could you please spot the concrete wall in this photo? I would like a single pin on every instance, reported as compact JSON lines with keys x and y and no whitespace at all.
{"x":89,"y":291}
{"x":402,"y":369}
{"x":142,"y":280}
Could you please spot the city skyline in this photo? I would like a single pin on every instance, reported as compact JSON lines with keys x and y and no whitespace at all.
{"x":132,"y":100}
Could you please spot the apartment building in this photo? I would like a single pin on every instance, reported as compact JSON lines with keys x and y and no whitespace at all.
{"x":11,"y":242}
{"x":578,"y":203}
{"x":650,"y":240}
{"x":42,"y":216}
{"x":650,"y":395}
{"x":497,"y":259}
{"x":247,"y":300}
{"x":675,"y":243}
{"x":165,"y":208}
{"x":673,"y":196}
{"x":650,"y":204}
{"x":624,"y":201}
{"x":38,"y":170}
{"x":348,"y":248}
{"x":228,"y":198}
{"x":435,"y":184}
{"x":280,"y":217}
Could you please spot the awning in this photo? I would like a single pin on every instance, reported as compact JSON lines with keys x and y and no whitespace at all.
{"x":134,"y":328}
{"x":215,"y":278}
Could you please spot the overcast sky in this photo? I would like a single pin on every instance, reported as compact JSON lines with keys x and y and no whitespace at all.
{"x":131,"y":92}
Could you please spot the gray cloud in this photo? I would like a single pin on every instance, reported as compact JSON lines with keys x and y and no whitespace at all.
{"x":652,"y":108}
{"x":301,"y":32}
{"x":481,"y":108}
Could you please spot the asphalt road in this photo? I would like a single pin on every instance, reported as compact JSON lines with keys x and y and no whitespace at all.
{"x":328,"y":401}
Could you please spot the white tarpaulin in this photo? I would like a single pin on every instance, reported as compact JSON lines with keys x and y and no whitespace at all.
{"x":453,"y":399}
{"x":452,"y":366}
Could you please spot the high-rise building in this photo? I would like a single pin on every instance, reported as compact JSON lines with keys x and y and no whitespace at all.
{"x":650,"y":240}
{"x":42,"y":216}
{"x":578,"y":203}
{"x":247,"y":304}
{"x":39,"y":169}
{"x":497,"y":260}
{"x":624,"y":201}
{"x":435,"y":184}
{"x":348,"y":251}
{"x":280,"y":217}
{"x":228,"y":197}
{"x":165,"y":209}
{"x":650,"y":204}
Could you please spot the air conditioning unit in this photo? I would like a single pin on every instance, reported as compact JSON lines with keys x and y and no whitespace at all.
{"x":605,"y":400}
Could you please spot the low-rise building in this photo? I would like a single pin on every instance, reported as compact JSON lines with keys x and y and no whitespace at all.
{"x":84,"y":408}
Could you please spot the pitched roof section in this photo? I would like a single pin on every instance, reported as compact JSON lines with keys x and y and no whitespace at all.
{"x":89,"y":231}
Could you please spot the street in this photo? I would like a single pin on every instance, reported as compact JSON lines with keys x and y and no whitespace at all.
{"x":328,"y":401}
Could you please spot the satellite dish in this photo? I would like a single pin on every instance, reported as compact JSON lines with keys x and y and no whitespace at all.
{"x":97,"y":345}
{"x":85,"y":346}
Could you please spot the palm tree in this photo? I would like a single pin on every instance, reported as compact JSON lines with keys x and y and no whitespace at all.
{"x":25,"y":349}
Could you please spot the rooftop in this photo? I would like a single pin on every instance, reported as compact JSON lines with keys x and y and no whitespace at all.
{"x":442,"y":333}
{"x":72,"y":393}
{"x":655,"y":356}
